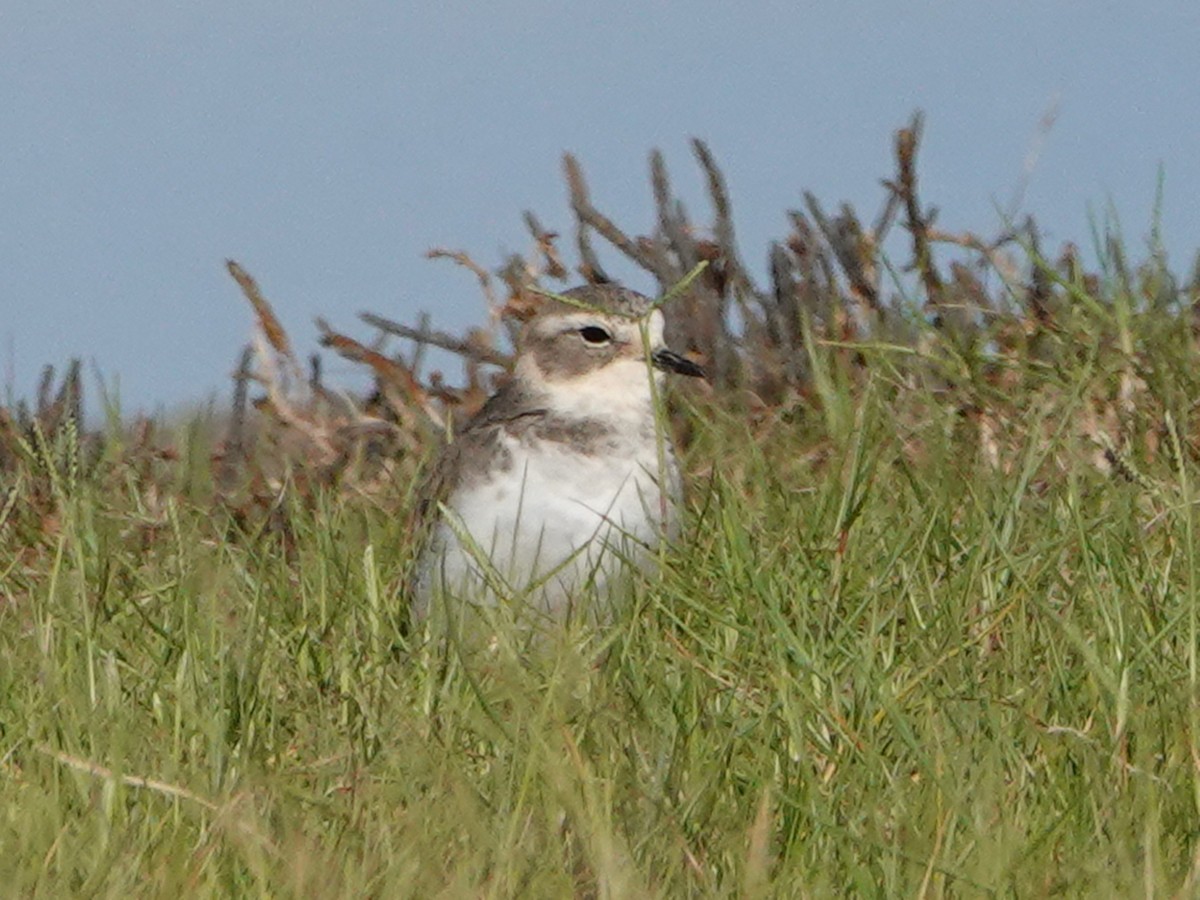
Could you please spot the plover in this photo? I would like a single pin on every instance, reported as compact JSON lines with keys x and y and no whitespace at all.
{"x":565,"y":476}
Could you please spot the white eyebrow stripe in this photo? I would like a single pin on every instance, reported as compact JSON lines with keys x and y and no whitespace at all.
{"x":549,"y":326}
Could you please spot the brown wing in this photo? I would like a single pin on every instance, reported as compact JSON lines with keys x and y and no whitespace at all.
{"x":475,"y":449}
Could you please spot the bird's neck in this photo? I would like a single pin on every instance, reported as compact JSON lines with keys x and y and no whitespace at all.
{"x":618,"y":394}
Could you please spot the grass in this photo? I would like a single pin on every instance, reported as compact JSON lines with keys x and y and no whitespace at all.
{"x":884,"y":663}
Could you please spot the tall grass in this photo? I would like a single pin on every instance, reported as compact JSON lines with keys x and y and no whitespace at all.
{"x":931,"y":631}
{"x":884,"y":662}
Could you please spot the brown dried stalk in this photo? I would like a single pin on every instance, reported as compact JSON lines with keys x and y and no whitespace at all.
{"x":485,"y":280}
{"x":590,"y":217}
{"x":552,"y":264}
{"x":471,"y":349}
{"x":854,"y":254}
{"x":907,"y":142}
{"x":236,"y":450}
{"x":267,"y":320}
{"x":395,"y":380}
{"x":672,"y":219}
{"x":723,"y":231}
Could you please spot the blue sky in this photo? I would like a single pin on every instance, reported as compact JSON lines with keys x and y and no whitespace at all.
{"x":327,"y":146}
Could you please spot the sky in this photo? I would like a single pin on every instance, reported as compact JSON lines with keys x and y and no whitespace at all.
{"x":327,"y":146}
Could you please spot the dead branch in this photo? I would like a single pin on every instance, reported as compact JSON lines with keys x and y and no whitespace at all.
{"x":672,"y":224}
{"x":485,"y":280}
{"x":989,"y":250}
{"x":723,"y":221}
{"x":591,"y":217}
{"x":267,"y":320}
{"x":908,"y":141}
{"x":783,"y":317}
{"x":551,"y":259}
{"x":471,"y":349}
{"x":236,"y":449}
{"x":395,"y":380}
{"x":845,"y":238}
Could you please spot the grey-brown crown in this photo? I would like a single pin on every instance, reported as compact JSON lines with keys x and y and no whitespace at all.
{"x":609,"y":299}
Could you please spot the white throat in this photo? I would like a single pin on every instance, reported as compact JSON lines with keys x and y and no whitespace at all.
{"x":619,"y":392}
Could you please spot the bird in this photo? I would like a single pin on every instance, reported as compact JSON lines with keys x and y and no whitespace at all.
{"x":565,"y":477}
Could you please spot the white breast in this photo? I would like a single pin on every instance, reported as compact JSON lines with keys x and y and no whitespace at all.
{"x":556,"y":525}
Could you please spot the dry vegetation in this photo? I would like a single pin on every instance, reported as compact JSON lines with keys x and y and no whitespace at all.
{"x":934,"y":633}
{"x":990,"y":328}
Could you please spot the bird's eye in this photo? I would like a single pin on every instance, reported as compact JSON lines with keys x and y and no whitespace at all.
{"x":595,"y":335}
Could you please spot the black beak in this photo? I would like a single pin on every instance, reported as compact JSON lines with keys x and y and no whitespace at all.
{"x":670,"y":361}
